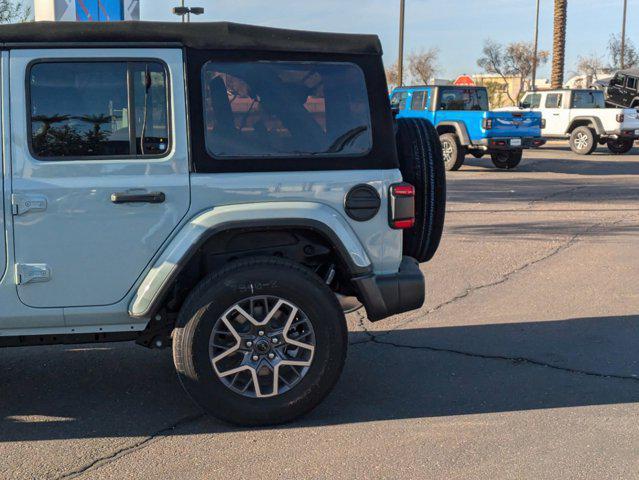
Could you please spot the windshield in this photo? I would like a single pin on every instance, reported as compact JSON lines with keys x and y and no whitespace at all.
{"x":463,"y":99}
{"x":285,"y":109}
{"x":588,"y":99}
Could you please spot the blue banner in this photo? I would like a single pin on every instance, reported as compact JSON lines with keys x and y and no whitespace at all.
{"x":99,"y":10}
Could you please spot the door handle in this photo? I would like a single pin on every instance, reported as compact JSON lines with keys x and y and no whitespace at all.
{"x":127,"y":197}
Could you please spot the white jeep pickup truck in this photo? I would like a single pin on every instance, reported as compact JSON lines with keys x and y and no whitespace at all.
{"x":582,"y":116}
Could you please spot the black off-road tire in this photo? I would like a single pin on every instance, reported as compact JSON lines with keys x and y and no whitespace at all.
{"x":507,"y":160}
{"x":455,"y":152}
{"x":620,"y":146}
{"x":214,"y":295}
{"x":583,"y":140}
{"x":422,"y":165}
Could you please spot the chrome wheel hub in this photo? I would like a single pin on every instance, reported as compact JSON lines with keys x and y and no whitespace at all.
{"x":447,"y":151}
{"x":262,"y":346}
{"x":581,"y":141}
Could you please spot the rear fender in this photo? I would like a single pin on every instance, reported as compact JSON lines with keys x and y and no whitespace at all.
{"x":183,"y":246}
{"x":594,"y":121}
{"x":460,"y":130}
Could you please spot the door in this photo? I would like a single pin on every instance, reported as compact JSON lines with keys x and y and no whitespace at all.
{"x":556,"y":114}
{"x":100,"y":174}
{"x":3,"y":232}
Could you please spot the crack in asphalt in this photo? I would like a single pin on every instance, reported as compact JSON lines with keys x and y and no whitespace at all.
{"x":114,"y":456}
{"x":375,"y":338}
{"x":515,"y":360}
{"x":470,"y":290}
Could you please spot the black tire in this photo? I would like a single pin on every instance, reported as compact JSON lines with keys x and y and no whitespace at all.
{"x":453,"y":152}
{"x":620,"y":145}
{"x":422,"y":165}
{"x":250,"y":278}
{"x":583,"y":140}
{"x":507,"y":160}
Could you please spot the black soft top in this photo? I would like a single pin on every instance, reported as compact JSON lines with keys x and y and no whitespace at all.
{"x":203,"y":36}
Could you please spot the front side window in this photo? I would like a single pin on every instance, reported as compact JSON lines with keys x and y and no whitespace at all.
{"x":84,"y":110}
{"x":588,"y":99}
{"x":284,"y":109}
{"x":617,"y":81}
{"x":532,"y":100}
{"x":463,"y":99}
{"x":399,"y":100}
{"x":553,"y":100}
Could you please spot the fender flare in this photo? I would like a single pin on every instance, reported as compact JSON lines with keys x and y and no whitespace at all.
{"x":596,"y":121}
{"x":203,"y":226}
{"x":460,"y":130}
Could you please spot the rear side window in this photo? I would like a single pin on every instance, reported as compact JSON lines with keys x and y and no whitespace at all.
{"x":93,"y":110}
{"x":463,"y":99}
{"x":532,"y":100}
{"x":590,"y":99}
{"x":280,"y":109}
{"x":553,"y":100}
{"x":632,"y":83}
{"x":419,"y":100}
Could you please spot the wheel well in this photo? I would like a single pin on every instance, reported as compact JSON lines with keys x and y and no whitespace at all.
{"x":580,"y":123}
{"x":635,"y":103}
{"x":304,"y":246}
{"x":442,"y":129}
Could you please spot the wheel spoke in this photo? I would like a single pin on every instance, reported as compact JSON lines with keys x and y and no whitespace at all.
{"x":262,"y":362}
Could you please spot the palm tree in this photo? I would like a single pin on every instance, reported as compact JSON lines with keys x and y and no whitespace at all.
{"x":559,"y":43}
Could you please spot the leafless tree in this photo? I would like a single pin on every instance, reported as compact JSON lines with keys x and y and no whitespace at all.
{"x":423,"y":65}
{"x":591,"y":65}
{"x":514,"y":60}
{"x":392,"y":76}
{"x":631,"y":55}
{"x":14,"y":11}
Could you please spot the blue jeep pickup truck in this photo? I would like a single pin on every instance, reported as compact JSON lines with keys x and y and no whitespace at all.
{"x":465,"y":124}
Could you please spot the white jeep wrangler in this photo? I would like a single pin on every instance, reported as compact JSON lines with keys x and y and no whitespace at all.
{"x":223,"y":189}
{"x":582,"y":117}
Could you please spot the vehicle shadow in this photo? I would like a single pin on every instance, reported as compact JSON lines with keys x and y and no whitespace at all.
{"x":542,"y":229}
{"x":600,"y":163}
{"x":126,"y":391}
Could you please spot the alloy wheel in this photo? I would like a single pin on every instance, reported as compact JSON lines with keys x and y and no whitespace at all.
{"x":262,"y":346}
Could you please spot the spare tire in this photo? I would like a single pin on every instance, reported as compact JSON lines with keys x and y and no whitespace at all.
{"x":422,"y":165}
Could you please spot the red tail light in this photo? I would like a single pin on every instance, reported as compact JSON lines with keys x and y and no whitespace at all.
{"x":621,"y":117}
{"x":402,"y":206}
{"x":487,"y":123}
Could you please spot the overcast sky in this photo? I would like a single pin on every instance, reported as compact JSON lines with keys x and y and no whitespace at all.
{"x":457,"y":27}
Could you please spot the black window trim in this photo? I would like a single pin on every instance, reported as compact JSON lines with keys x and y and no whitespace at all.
{"x":128,"y":60}
{"x":382,"y":156}
{"x":292,"y":156}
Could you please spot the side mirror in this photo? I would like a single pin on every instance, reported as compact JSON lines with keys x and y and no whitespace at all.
{"x":395,"y":110}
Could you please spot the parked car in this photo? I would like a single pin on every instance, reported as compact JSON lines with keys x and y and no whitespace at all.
{"x":236,"y":219}
{"x":465,"y":125}
{"x":582,"y":117}
{"x":623,"y":89}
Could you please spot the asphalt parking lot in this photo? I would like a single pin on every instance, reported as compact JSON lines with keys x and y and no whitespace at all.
{"x":522,"y":364}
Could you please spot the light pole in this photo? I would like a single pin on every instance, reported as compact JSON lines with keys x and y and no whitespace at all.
{"x":400,"y":61}
{"x":623,"y":35}
{"x":185,"y":12}
{"x":535,"y":44}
